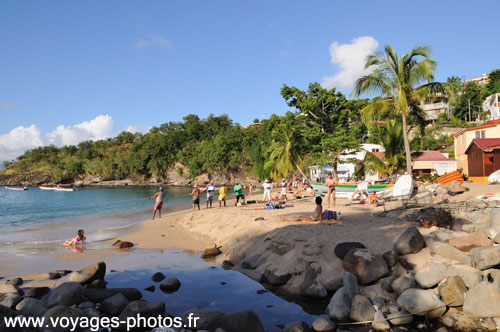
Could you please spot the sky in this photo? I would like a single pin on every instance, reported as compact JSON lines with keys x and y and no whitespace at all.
{"x":78,"y":70}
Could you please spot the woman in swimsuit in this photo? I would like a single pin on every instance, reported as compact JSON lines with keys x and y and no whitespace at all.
{"x":317,"y":215}
{"x":80,"y":237}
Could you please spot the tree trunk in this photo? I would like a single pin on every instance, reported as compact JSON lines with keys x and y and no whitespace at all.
{"x":334,"y":168}
{"x":407,"y":144}
{"x":300,"y":170}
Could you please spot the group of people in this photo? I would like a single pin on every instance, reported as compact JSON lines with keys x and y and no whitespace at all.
{"x":210,"y":190}
{"x":298,"y":188}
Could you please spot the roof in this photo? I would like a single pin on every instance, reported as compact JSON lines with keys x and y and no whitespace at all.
{"x":379,"y":155}
{"x":485,"y":144}
{"x":429,"y":156}
{"x":489,"y":124}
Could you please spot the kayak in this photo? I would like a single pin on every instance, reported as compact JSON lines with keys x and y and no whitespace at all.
{"x":343,"y":190}
{"x":16,"y":188}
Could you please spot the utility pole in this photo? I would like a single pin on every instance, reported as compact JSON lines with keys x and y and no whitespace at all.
{"x":469,"y":111}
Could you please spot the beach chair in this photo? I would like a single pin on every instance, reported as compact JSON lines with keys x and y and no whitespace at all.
{"x":402,"y":190}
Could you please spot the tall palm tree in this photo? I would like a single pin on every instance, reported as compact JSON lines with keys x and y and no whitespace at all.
{"x":283,"y":156}
{"x":403,"y":82}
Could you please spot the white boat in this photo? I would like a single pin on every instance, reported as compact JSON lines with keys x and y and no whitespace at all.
{"x":345,"y":190}
{"x":46,"y":188}
{"x":63,"y":189}
{"x":16,"y":188}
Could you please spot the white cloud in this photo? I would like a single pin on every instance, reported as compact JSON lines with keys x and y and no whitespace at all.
{"x":350,"y":59}
{"x":154,"y":40}
{"x":23,"y":138}
{"x":141,"y":44}
{"x":137,"y":128}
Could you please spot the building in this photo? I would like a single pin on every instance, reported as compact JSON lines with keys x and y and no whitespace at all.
{"x":428,"y":162}
{"x":483,"y":158}
{"x":438,"y":105}
{"x":492,"y":104}
{"x":483,"y":79}
{"x":463,"y":138}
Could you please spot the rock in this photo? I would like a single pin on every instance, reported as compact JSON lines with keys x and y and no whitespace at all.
{"x":376,"y":290}
{"x":37,"y":292}
{"x":150,"y":288}
{"x":391,"y":257}
{"x":123,"y":244}
{"x":410,"y":242}
{"x":10,"y":300}
{"x":421,"y":302}
{"x":207,"y":318}
{"x":379,"y":322}
{"x":9,"y":288}
{"x":401,"y":284}
{"x":170,"y":285}
{"x":56,"y":315}
{"x":66,"y":295}
{"x":361,"y":309}
{"x":142,"y":308}
{"x":89,"y":273}
{"x":227,"y":265}
{"x":447,"y":251}
{"x":350,"y":283}
{"x":366,"y":265}
{"x":5,"y":312}
{"x":423,"y":198}
{"x":98,"y":295}
{"x":86,"y":305}
{"x":430,"y":274}
{"x":469,"y":275}
{"x":378,"y":303}
{"x":482,"y":301}
{"x":456,"y":224}
{"x":340,"y":305}
{"x":274,"y":279}
{"x":386,"y":283}
{"x":113,"y":305}
{"x":471,"y":241}
{"x":31,"y":307}
{"x":343,"y":248}
{"x":98,"y":283}
{"x":310,"y":286}
{"x":400,"y":318}
{"x":15,"y":281}
{"x":211,"y":252}
{"x":452,"y":291}
{"x":252,"y":262}
{"x":333,"y":284}
{"x":496,"y":239}
{"x":157,"y":277}
{"x":242,"y":321}
{"x":54,"y":276}
{"x":92,"y":312}
{"x":486,"y":257}
{"x":312,"y":251}
{"x":297,"y":327}
{"x":322,"y":324}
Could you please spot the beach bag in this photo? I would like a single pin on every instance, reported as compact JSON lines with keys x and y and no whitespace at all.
{"x":330,"y":215}
{"x":269,"y":206}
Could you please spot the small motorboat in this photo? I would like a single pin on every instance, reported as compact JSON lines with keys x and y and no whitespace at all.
{"x":16,"y":188}
{"x":46,"y":188}
{"x":63,"y":189}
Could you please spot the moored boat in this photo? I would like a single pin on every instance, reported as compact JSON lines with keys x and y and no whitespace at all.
{"x":16,"y":188}
{"x":46,"y":188}
{"x":63,"y":189}
{"x":343,"y":190}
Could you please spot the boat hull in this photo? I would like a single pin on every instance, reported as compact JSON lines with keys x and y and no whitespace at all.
{"x":15,"y":189}
{"x":344,"y":190}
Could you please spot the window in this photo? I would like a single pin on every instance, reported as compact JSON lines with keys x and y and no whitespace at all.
{"x":375,"y":150}
{"x":480,"y":134}
{"x":474,"y":154}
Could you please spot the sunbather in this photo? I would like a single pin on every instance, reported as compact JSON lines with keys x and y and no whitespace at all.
{"x":317,"y":215}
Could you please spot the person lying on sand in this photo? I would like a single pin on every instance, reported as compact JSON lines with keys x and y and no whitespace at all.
{"x":80,"y":237}
{"x":317,"y":215}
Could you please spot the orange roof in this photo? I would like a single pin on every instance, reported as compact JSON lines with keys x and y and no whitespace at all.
{"x":485,"y":144}
{"x":489,"y":124}
{"x":430,"y":156}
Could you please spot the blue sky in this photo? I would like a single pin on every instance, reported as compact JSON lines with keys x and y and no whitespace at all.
{"x":140,"y":64}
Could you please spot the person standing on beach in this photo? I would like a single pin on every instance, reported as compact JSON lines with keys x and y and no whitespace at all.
{"x":222,"y":195}
{"x":330,"y":183}
{"x":159,"y":196}
{"x":267,"y":191}
{"x":284,"y":188}
{"x":210,"y":189}
{"x":238,"y":189}
{"x":196,"y":196}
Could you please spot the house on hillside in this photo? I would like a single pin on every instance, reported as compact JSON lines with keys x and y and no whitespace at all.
{"x":463,"y":138}
{"x":428,"y":162}
{"x":483,"y":158}
{"x":437,"y":105}
{"x":492,"y":104}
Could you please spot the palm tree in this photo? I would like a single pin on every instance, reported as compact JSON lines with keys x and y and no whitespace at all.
{"x":283,"y":156}
{"x":402,"y":82}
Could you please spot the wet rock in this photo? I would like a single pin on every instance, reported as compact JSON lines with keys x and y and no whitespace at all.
{"x":9,"y":288}
{"x":340,"y":305}
{"x":410,"y":242}
{"x":275,"y":279}
{"x":98,"y":295}
{"x":55,"y":314}
{"x":227,"y":265}
{"x":89,"y":273}
{"x":469,"y":275}
{"x":31,"y":307}
{"x":98,"y":283}
{"x":142,"y":308}
{"x":123,"y":244}
{"x":37,"y":292}
{"x":430,"y":274}
{"x":150,"y":288}
{"x":208,"y":318}
{"x":92,"y":312}
{"x":158,"y":276}
{"x":391,"y":257}
{"x":114,"y":305}
{"x":322,"y":324}
{"x":350,"y":283}
{"x":54,"y":276}
{"x":379,"y":322}
{"x":482,"y":301}
{"x":401,"y":284}
{"x":471,"y":241}
{"x":170,"y":285}
{"x":253,"y":262}
{"x":333,"y":284}
{"x":484,"y":258}
{"x":400,"y":318}
{"x":361,"y":309}
{"x":15,"y":281}
{"x":421,"y":302}
{"x":86,"y":305}
{"x":242,"y":321}
{"x":261,"y":291}
{"x":10,"y":300}
{"x":297,"y":327}
{"x":447,"y":251}
{"x":343,"y":248}
{"x":452,"y":291}
{"x":65,"y":294}
{"x":211,"y":252}
{"x":366,"y":265}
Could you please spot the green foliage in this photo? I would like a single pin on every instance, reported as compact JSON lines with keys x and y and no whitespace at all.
{"x":493,"y":85}
{"x":431,"y":139}
{"x":470,"y":102}
{"x":180,"y":171}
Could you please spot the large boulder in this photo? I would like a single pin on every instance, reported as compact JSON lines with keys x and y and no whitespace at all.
{"x":361,"y":309}
{"x":310,"y":285}
{"x":402,"y":283}
{"x":421,"y":302}
{"x":37,"y":292}
{"x":452,"y":291}
{"x":242,"y":321}
{"x":55,"y":314}
{"x":400,"y":318}
{"x":207,"y":319}
{"x":469,"y":275}
{"x":343,"y":248}
{"x":447,"y":251}
{"x":10,"y":288}
{"x":482,"y":301}
{"x":430,"y":274}
{"x":31,"y":307}
{"x":143,"y":309}
{"x":98,"y":295}
{"x":484,"y":258}
{"x":410,"y":242}
{"x":366,"y":265}
{"x":252,"y":262}
{"x":10,"y":300}
{"x":350,"y":283}
{"x":89,"y":273}
{"x":471,"y":241}
{"x":340,"y":305}
{"x":170,"y":285}
{"x":113,"y":305}
{"x":275,"y":279}
{"x":65,"y":294}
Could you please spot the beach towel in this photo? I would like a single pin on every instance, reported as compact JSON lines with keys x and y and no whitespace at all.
{"x":449,"y":177}
{"x":269,"y":206}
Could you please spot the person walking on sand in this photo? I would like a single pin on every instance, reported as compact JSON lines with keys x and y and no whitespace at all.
{"x":79,"y":238}
{"x":330,"y":183}
{"x":238,"y":189}
{"x":159,"y":196}
{"x":222,"y":195}
{"x":267,"y":190}
{"x":210,"y":189}
{"x":196,"y":196}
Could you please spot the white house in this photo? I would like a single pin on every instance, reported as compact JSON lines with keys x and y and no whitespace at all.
{"x":492,"y":104}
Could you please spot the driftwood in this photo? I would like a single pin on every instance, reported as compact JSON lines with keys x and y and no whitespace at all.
{"x":211,"y":252}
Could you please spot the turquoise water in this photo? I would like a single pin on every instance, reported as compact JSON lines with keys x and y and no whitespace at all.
{"x":40,"y":216}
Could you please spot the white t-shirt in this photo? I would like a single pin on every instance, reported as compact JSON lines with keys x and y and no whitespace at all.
{"x":210,"y":190}
{"x":160,"y":197}
{"x":266,"y":186}
{"x":363,"y":186}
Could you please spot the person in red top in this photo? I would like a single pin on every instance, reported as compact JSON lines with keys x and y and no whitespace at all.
{"x":80,"y":237}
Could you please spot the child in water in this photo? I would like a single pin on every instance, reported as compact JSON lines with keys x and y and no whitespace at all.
{"x":80,"y":237}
